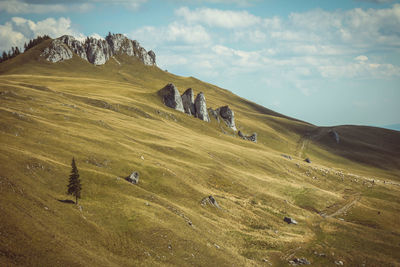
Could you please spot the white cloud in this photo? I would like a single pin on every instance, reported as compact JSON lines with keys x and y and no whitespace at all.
{"x":20,"y":30}
{"x":188,"y":34}
{"x":218,"y":18}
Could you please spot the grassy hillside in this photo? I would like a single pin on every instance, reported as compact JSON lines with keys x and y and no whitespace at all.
{"x":112,"y":121}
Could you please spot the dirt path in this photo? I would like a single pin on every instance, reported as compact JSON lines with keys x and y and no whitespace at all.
{"x":345,"y":207}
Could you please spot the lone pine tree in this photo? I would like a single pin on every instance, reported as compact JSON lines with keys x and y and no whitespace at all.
{"x":74,"y":186}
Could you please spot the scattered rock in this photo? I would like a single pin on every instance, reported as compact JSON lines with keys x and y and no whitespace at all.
{"x":307,"y":160}
{"x":210,"y":200}
{"x":188,"y":102}
{"x":339,"y":263}
{"x":171,"y":97}
{"x":201,"y":107}
{"x":133,"y":178}
{"x":218,"y":247}
{"x":252,"y":137}
{"x":228,"y":116}
{"x":334,"y":135}
{"x":290,"y":220}
{"x":301,"y":261}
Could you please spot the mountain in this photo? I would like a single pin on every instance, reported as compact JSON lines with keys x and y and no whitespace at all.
{"x":112,"y":119}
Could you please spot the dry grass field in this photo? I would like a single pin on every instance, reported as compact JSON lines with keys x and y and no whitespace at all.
{"x":110,"y":118}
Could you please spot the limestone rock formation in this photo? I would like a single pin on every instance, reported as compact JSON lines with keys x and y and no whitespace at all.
{"x":133,"y":178}
{"x":171,"y":97}
{"x":188,"y":102}
{"x":57,"y":51}
{"x":201,"y":107}
{"x":228,"y":116}
{"x":99,"y":51}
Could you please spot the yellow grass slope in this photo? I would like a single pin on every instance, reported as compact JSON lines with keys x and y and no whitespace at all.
{"x":112,"y":121}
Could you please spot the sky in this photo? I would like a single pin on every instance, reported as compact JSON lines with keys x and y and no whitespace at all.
{"x":325,"y":62}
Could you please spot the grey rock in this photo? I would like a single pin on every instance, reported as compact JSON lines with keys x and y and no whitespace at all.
{"x":98,"y":51}
{"x":152,"y":56}
{"x":228,"y":116}
{"x":334,"y":135}
{"x":290,"y":220}
{"x":308,"y":160}
{"x":301,"y":261}
{"x":76,"y":46}
{"x":57,"y":51}
{"x":188,"y":102}
{"x":339,"y":263}
{"x":201,"y":107}
{"x":171,"y":97}
{"x":133,"y":178}
{"x":210,"y":200}
{"x":252,"y":137}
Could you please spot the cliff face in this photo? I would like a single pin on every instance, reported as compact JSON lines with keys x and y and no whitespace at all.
{"x":97,"y":51}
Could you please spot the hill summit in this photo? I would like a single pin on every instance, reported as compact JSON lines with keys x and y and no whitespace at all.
{"x":97,"y":51}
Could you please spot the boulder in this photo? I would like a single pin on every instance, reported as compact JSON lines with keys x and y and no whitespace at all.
{"x":201,"y":108}
{"x":299,"y":261}
{"x":210,"y":200}
{"x":252,"y":138}
{"x":228,"y":116}
{"x":290,"y":220}
{"x":133,"y":178}
{"x":171,"y":97}
{"x":188,"y":102}
{"x":308,"y":160}
{"x":57,"y":51}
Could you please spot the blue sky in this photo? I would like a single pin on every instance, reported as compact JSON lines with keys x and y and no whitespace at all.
{"x":325,"y":62}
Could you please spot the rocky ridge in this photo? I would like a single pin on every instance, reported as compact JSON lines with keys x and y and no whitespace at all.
{"x":97,"y":51}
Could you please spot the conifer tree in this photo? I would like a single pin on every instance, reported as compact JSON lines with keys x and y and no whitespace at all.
{"x":74,"y":186}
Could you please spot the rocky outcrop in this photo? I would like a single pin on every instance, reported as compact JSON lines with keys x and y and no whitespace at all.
{"x":228,"y":116}
{"x":171,"y":97}
{"x":252,"y":137}
{"x":99,"y":51}
{"x":188,"y":102}
{"x":133,"y":178}
{"x":57,"y":51}
{"x":201,"y":107}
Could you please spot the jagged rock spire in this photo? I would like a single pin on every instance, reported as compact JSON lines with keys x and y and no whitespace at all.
{"x":97,"y":51}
